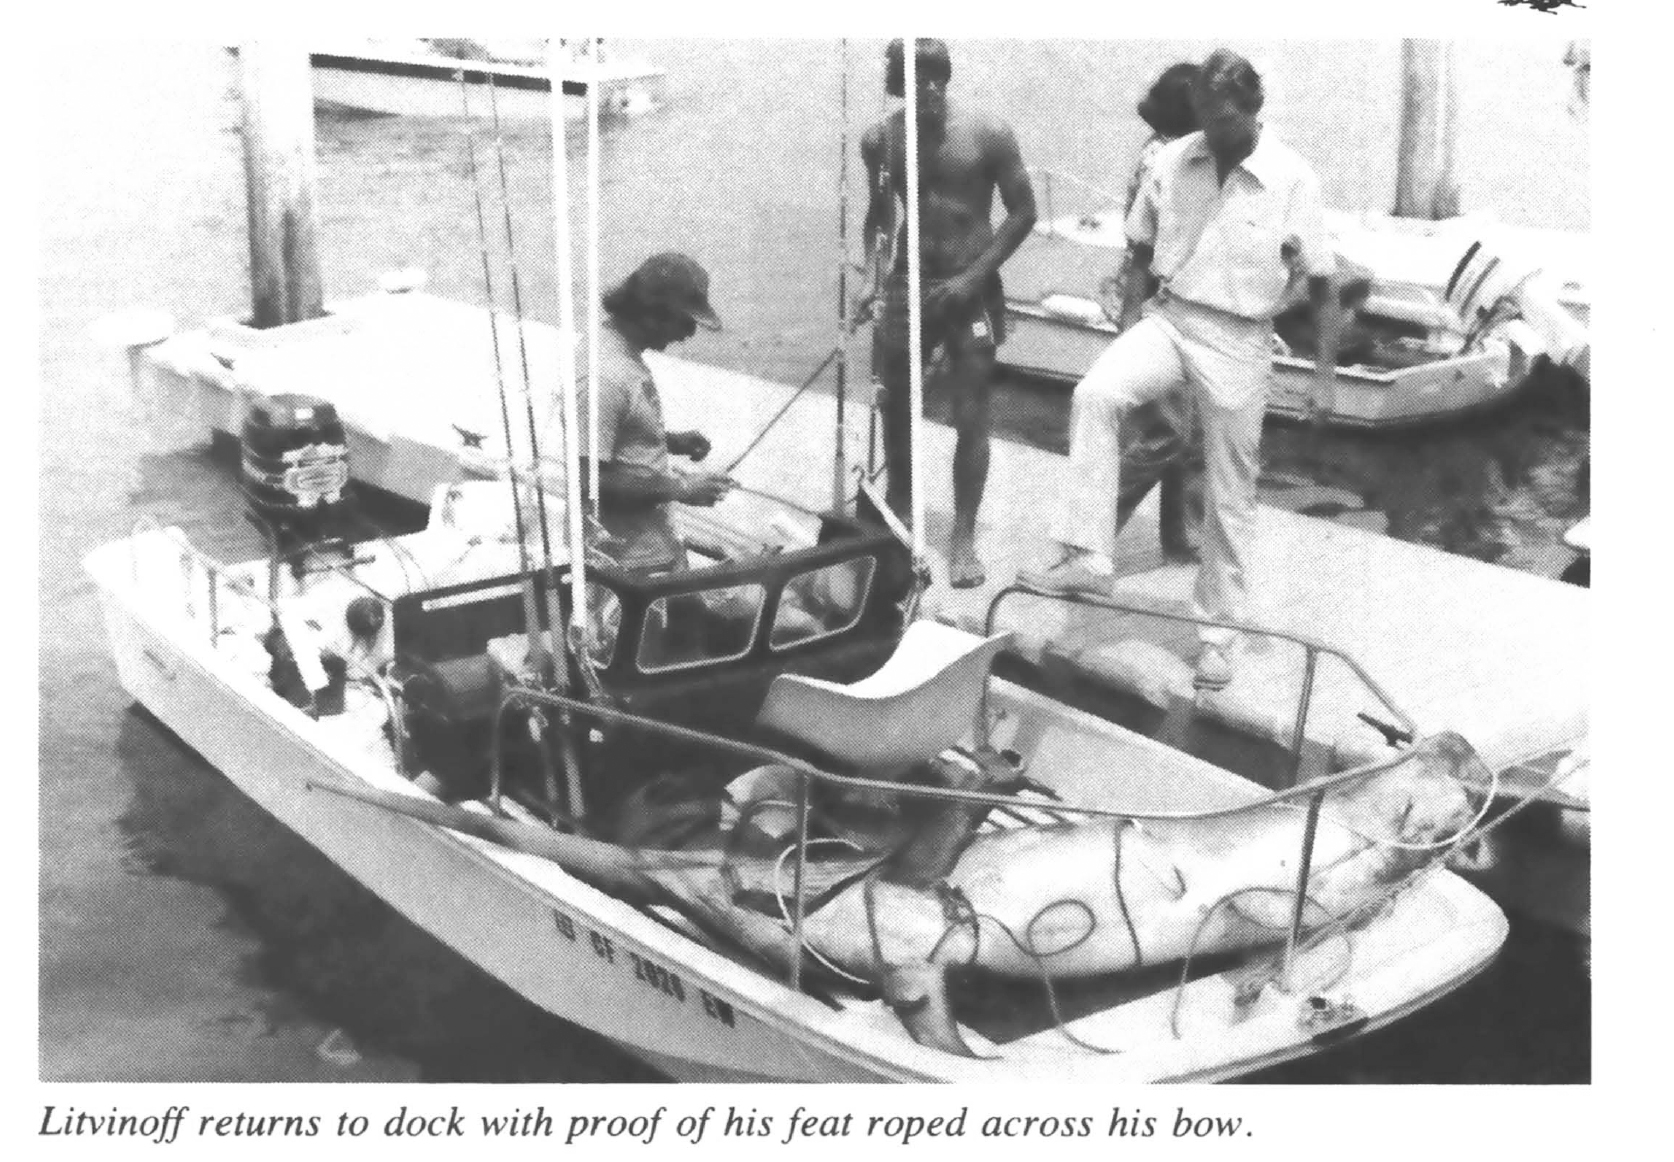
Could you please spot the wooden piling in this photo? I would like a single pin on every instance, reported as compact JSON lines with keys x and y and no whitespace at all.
{"x":279,"y":171}
{"x":1424,"y":183}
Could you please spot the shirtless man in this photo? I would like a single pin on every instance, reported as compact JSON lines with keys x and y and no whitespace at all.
{"x":965,"y":156}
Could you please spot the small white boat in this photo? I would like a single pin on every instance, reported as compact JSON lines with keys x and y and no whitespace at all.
{"x":415,"y":704}
{"x":420,"y":78}
{"x":1448,"y":328}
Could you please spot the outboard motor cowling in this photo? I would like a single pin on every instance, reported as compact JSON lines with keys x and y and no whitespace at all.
{"x":295,"y":472}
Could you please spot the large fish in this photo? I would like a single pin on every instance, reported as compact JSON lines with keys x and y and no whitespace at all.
{"x":1076,"y":899}
{"x":1087,"y":898}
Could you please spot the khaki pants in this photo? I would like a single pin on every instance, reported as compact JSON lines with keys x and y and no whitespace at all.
{"x":1225,"y":362}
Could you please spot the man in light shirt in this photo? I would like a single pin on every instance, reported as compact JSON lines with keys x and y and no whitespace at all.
{"x":1227,"y":222}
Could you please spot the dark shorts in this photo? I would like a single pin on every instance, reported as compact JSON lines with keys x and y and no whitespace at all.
{"x":976,"y":329}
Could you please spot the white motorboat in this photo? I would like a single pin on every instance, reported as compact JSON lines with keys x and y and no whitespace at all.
{"x":420,"y":78}
{"x":1455,"y":315}
{"x":393,"y":670}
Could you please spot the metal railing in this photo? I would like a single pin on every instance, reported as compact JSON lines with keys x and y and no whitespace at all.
{"x":1403,"y":730}
{"x":218,"y":574}
{"x":1314,"y":791}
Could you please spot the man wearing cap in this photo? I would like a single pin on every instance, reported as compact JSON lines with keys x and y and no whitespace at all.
{"x":964,"y":157}
{"x":664,"y":301}
{"x":1228,"y":221}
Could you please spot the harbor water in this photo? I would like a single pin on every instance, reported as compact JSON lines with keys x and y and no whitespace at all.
{"x":186,"y":935}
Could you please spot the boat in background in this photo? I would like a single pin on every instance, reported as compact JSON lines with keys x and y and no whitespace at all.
{"x":1454,"y":316}
{"x":420,"y":78}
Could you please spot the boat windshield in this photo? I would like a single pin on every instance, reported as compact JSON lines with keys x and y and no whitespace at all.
{"x":694,"y":629}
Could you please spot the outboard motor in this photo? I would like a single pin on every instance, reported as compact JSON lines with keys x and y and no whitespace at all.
{"x":295,"y":476}
{"x":295,"y":473}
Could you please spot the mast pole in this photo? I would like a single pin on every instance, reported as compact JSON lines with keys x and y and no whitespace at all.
{"x":566,"y":345}
{"x":915,"y":321}
{"x":593,"y":289}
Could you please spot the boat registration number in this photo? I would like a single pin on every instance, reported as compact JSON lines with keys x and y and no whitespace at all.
{"x":645,"y":970}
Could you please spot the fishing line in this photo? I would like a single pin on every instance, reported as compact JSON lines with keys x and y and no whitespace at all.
{"x":780,"y":414}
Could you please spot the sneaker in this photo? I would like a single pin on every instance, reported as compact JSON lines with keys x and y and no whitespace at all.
{"x":1214,"y":669}
{"x":1071,"y":574}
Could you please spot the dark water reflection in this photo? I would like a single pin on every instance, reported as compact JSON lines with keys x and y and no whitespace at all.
{"x":328,"y":947}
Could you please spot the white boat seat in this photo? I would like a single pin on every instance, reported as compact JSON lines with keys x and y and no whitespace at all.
{"x":923,"y":700}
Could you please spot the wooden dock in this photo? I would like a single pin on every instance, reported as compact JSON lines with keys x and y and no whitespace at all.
{"x":1497,"y":655}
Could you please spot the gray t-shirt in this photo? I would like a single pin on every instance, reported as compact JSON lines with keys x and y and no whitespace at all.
{"x":631,"y":434}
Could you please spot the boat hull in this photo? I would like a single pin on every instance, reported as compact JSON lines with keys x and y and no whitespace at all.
{"x":420,"y":87}
{"x":1044,"y":346}
{"x":590,"y":959}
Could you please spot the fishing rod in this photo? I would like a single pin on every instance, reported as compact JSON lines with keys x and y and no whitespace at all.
{"x":882,"y":255}
{"x":840,"y":457}
{"x":531,"y":606}
{"x":576,"y":639}
{"x":915,"y":319}
{"x":594,"y":291}
{"x":554,"y":618}
{"x":541,"y":652}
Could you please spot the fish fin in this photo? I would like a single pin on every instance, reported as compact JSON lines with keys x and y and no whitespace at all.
{"x":917,"y":992}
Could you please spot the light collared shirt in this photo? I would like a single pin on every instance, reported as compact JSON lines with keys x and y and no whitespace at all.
{"x":1242,"y":246}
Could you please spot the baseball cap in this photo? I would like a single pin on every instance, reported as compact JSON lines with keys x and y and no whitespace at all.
{"x":676,"y":281}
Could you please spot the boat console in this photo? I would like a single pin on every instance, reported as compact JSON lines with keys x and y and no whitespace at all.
{"x":698,"y":647}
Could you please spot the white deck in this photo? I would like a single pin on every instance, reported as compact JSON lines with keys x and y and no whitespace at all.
{"x":1497,"y":655}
